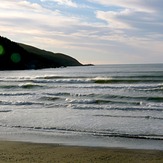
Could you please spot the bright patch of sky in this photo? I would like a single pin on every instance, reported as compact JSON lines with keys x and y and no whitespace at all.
{"x":92,"y":31}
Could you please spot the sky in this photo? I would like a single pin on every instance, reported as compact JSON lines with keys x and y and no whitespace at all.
{"x":92,"y":31}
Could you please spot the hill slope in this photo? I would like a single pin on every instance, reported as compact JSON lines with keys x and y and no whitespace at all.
{"x":17,"y":56}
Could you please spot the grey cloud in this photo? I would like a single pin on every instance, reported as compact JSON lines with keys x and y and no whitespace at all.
{"x":34,"y":24}
{"x":144,"y":22}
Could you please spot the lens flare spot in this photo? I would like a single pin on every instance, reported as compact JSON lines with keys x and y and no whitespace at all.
{"x":15,"y":57}
{"x":1,"y":50}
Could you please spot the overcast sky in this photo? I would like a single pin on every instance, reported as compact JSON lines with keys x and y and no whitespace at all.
{"x":92,"y":31}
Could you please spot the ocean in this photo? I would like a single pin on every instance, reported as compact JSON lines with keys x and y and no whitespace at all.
{"x":102,"y":105}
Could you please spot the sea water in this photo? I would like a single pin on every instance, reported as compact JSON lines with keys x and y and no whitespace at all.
{"x":103,"y":105}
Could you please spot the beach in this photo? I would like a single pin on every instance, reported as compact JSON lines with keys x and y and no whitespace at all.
{"x":11,"y":151}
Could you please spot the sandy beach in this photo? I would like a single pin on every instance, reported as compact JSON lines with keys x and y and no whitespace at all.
{"x":32,"y":152}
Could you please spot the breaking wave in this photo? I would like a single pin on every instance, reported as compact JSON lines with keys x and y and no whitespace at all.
{"x":105,"y":133}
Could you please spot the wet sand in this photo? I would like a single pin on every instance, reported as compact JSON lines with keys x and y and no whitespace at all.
{"x":31,"y":152}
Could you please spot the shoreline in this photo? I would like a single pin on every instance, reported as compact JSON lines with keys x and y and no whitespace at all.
{"x":70,"y":139}
{"x":16,"y":151}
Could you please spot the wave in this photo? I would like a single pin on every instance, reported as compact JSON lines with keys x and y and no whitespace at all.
{"x":85,"y":82}
{"x":17,"y":94}
{"x":114,"y":75}
{"x":105,"y":133}
{"x":138,"y":77}
{"x":135,"y":98}
{"x":138,"y":87}
{"x":153,"y":75}
{"x":59,"y":77}
{"x":105,"y":98}
{"x":5,"y":111}
{"x":49,"y":98}
{"x":139,"y":117}
{"x":121,"y":108}
{"x":19,"y":103}
{"x":30,"y":85}
{"x":155,"y":99}
{"x":8,"y":86}
{"x":58,"y":94}
{"x":24,"y":86}
{"x":99,"y":81}
{"x":100,"y":101}
{"x":126,"y":81}
{"x":132,"y":136}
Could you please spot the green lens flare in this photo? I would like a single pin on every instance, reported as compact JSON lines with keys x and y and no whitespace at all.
{"x":1,"y":50}
{"x":15,"y":57}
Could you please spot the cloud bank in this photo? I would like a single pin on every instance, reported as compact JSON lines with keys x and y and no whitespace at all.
{"x":93,"y":31}
{"x":69,"y":3}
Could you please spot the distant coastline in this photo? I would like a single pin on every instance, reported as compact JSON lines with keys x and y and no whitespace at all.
{"x":17,"y":56}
